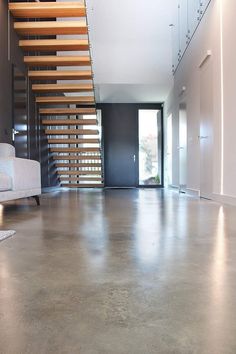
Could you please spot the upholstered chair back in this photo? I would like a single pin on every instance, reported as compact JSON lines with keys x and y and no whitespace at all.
{"x":7,"y":150}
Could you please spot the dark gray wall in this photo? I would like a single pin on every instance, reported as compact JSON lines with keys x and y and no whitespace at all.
{"x":11,"y":54}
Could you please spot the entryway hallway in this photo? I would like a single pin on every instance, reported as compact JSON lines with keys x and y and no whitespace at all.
{"x":136,"y":271}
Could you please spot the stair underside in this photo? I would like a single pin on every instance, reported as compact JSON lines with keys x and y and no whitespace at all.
{"x":50,"y":28}
{"x":81,"y":149}
{"x":75,"y":158}
{"x":69,"y":112}
{"x":73,"y":141}
{"x":42,"y":75}
{"x":69,"y":165}
{"x":51,"y":45}
{"x":81,"y":179}
{"x":78,"y":173}
{"x":82,"y":100}
{"x":64,"y":122}
{"x":84,"y":185}
{"x":71,"y":132}
{"x":54,"y":60}
{"x":44,"y":88}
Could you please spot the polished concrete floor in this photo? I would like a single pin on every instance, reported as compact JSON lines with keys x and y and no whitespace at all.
{"x":119,"y":271}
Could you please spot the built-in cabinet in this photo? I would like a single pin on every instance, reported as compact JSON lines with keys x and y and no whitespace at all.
{"x":187,"y":15}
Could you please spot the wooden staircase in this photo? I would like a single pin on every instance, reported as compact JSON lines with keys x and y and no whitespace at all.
{"x":67,"y":107}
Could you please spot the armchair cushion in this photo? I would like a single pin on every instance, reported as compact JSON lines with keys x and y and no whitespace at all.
{"x":5,"y":182}
{"x":7,"y":150}
{"x":25,"y":174}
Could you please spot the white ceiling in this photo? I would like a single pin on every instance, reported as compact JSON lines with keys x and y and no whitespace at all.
{"x":131,"y":49}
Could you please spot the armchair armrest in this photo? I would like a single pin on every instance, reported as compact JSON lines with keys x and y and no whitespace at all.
{"x":25,"y":173}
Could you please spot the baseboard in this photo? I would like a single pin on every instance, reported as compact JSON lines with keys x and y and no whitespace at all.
{"x":193,"y":192}
{"x":225,"y":199}
{"x":173,"y":186}
{"x":50,"y":189}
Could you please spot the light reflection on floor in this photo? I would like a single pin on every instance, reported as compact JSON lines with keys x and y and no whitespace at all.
{"x":1,"y":214}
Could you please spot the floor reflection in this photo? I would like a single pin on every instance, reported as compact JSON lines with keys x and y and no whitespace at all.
{"x":218,"y":286}
{"x":1,"y":214}
{"x":160,"y":224}
{"x":94,"y":231}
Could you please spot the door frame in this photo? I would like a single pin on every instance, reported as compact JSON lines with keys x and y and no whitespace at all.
{"x":139,"y":106}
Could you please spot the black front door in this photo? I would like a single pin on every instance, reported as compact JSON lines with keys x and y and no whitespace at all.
{"x":133,"y":144}
{"x":120,"y":131}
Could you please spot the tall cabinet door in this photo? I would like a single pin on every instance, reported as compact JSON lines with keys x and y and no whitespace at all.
{"x":183,"y":9}
{"x":176,"y":35}
{"x":203,"y":6}
{"x":206,"y":129}
{"x":193,"y":16}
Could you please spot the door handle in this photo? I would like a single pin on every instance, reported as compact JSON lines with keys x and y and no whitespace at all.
{"x":14,"y":132}
{"x":134,"y":157}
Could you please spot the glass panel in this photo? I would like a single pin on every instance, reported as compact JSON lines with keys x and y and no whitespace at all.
{"x":150,"y":161}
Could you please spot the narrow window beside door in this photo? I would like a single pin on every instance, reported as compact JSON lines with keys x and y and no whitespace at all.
{"x":150,"y":147}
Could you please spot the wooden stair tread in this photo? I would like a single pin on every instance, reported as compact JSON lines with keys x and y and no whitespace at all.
{"x":47,"y":9}
{"x":75,"y":149}
{"x":69,"y":111}
{"x":73,"y":141}
{"x":71,"y":132}
{"x":48,"y":28}
{"x":82,"y":185}
{"x":56,"y":60}
{"x":62,"y":88}
{"x":86,"y":164}
{"x":77,"y":173}
{"x":73,"y":179}
{"x":52,"y":45}
{"x":60,"y":75}
{"x":69,"y":122}
{"x":76,"y":158}
{"x":85,"y":100}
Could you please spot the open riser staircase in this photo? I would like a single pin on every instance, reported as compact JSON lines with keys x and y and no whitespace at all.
{"x":63,"y":85}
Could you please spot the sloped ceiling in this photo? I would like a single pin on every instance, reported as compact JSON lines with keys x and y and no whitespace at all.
{"x":131,"y":49}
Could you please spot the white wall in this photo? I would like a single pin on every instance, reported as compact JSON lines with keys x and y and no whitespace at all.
{"x":131,"y":49}
{"x":219,"y":16}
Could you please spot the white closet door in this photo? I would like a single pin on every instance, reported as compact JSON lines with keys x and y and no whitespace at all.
{"x":206,"y":129}
{"x":203,"y":6}
{"x":193,"y":16}
{"x":183,"y":25}
{"x":176,"y":35}
{"x":182,"y":147}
